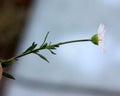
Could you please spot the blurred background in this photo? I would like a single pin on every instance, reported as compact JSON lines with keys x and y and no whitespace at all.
{"x":79,"y":69}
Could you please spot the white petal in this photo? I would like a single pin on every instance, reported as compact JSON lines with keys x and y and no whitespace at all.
{"x":101,"y":32}
{"x":101,"y":28}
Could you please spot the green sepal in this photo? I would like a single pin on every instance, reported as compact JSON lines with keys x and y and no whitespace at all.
{"x":95,"y":39}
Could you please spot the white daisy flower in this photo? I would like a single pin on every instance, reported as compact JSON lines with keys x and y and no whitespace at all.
{"x":98,"y":38}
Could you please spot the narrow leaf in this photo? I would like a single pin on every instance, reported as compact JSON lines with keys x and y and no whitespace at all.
{"x":8,"y":75}
{"x":41,"y":56}
{"x":52,"y":52}
{"x":43,"y":46}
{"x":56,"y":45}
{"x":45,"y":38}
{"x":31,"y":47}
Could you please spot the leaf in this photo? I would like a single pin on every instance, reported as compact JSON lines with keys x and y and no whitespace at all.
{"x":43,"y":46}
{"x":52,"y":52}
{"x":8,"y":75}
{"x":56,"y":45}
{"x":41,"y":56}
{"x":45,"y":37}
{"x":31,"y":47}
{"x":53,"y":48}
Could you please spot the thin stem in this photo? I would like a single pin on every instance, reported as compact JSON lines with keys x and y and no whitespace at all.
{"x":73,"y":41}
{"x":47,"y":47}
{"x":67,"y":42}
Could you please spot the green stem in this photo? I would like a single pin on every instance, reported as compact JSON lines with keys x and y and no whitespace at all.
{"x":67,"y":42}
{"x":47,"y":47}
{"x":73,"y":41}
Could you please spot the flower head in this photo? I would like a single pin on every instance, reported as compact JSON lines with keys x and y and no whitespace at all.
{"x":98,"y":38}
{"x":1,"y":70}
